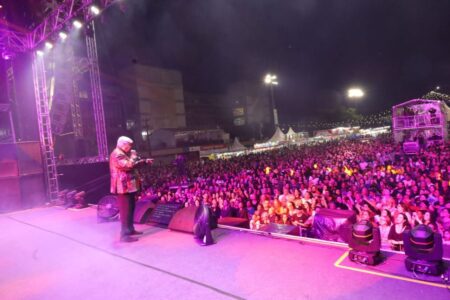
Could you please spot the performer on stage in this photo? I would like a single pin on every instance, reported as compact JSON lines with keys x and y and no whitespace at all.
{"x":125,"y":183}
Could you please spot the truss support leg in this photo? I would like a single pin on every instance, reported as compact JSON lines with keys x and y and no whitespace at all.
{"x":45,"y":128}
{"x":97,"y":97}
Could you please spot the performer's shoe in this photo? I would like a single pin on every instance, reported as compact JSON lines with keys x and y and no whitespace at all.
{"x":135,"y":232}
{"x":128,"y":239}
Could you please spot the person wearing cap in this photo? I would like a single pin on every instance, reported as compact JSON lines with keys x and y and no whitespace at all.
{"x":125,"y":183}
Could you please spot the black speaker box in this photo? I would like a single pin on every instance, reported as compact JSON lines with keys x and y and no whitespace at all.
{"x":20,"y":159}
{"x":22,"y":192}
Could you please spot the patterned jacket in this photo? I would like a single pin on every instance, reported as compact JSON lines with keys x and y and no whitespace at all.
{"x":124,"y":175}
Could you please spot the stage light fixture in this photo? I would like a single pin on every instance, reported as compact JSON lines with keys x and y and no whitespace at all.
{"x":8,"y":55}
{"x":95,"y":10}
{"x":365,"y":244}
{"x":40,"y":53}
{"x":77,"y":24}
{"x":48,"y":45}
{"x":424,"y":250}
{"x":62,"y":35}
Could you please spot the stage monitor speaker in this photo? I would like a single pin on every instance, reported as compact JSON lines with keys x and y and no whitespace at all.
{"x":143,"y":209}
{"x":333,"y":224}
{"x":281,"y":228}
{"x":235,"y":222}
{"x":183,"y":220}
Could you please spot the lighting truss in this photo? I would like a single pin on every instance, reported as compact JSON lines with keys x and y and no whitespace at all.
{"x":13,"y":41}
{"x":16,"y":41}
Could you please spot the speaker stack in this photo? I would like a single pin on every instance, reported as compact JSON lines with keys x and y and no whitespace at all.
{"x":22,"y":183}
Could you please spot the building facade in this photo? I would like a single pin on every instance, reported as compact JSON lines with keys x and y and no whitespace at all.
{"x":155,"y":100}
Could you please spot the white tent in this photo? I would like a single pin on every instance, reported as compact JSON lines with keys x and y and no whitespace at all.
{"x":291,"y":134}
{"x":237,"y":146}
{"x":278,"y":137}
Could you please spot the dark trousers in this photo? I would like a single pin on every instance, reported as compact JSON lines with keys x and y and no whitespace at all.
{"x":127,"y":203}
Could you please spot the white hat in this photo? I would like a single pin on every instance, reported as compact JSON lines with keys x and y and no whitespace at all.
{"x":121,"y":141}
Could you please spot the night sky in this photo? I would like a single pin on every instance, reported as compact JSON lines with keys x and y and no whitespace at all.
{"x":394,"y":50}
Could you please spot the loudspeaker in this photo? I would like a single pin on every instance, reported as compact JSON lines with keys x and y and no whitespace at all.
{"x":8,"y":161}
{"x":235,"y":222}
{"x":20,"y":159}
{"x":280,"y":228}
{"x":143,"y":209}
{"x":21,"y":192}
{"x":29,"y":157}
{"x":183,"y":220}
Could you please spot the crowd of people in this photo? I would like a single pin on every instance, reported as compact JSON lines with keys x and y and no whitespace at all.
{"x":372,"y":177}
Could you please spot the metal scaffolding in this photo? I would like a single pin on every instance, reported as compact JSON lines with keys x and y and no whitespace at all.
{"x":97,"y":96}
{"x":11,"y":91}
{"x":13,"y":41}
{"x":45,"y":127}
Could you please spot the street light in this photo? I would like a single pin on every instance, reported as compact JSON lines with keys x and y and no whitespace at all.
{"x":271,"y":80}
{"x":355,"y":93}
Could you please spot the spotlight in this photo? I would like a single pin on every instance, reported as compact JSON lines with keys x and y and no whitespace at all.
{"x":8,"y":55}
{"x":40,"y":53}
{"x":424,"y":250}
{"x":365,"y":244}
{"x":95,"y":10}
{"x":62,"y":35}
{"x":77,"y":24}
{"x":48,"y":45}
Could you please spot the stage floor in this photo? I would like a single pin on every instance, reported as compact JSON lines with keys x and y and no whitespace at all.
{"x":52,"y":253}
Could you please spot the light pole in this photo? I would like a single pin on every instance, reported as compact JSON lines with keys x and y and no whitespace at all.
{"x":271,"y":80}
{"x":355,"y":94}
